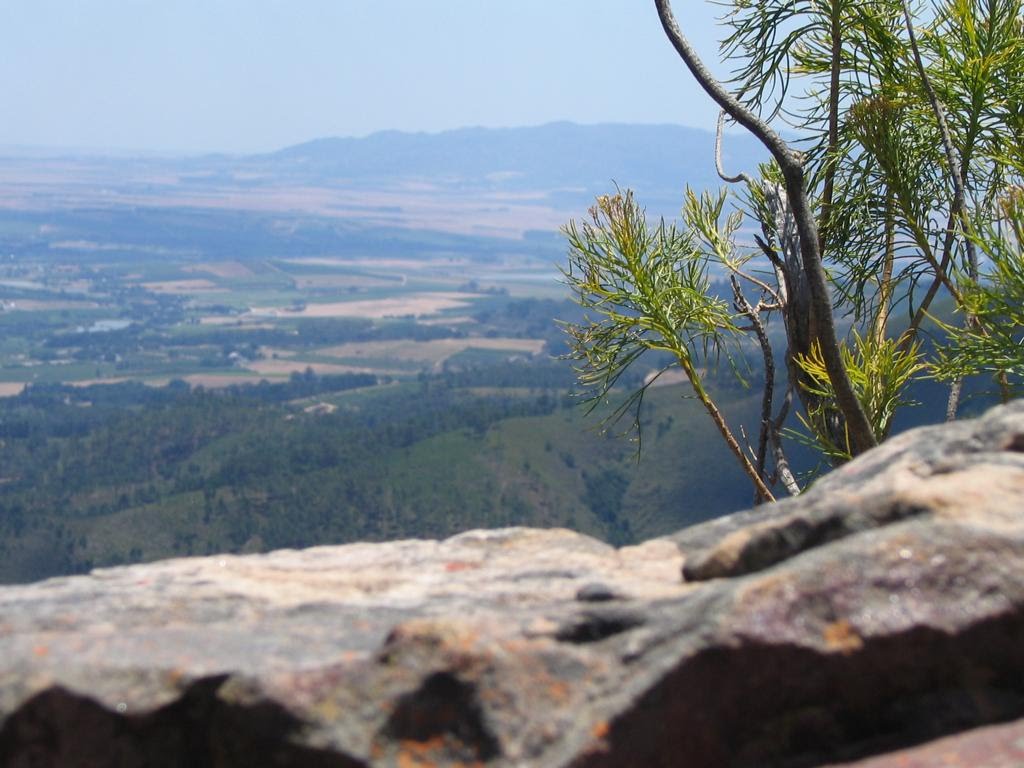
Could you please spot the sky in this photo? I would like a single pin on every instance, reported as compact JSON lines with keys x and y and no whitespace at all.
{"x":239,"y":76}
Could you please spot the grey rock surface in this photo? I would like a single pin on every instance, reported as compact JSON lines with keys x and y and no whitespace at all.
{"x":882,"y":609}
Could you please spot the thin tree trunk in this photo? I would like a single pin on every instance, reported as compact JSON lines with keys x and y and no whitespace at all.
{"x":785,"y":474}
{"x":955,"y":387}
{"x":734,"y":446}
{"x":885,"y":282}
{"x":822,"y":322}
{"x":768,"y":394}
{"x":957,"y":175}
{"x":833,"y":127}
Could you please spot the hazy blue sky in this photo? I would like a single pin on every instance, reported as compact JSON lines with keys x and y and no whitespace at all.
{"x":250,"y":75}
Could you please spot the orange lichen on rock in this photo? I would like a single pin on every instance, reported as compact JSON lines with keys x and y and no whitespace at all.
{"x":842,"y":636}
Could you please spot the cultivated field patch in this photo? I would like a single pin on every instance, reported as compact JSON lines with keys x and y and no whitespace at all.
{"x":285,"y":367}
{"x":340,"y":281}
{"x":219,"y":380}
{"x":414,"y":304}
{"x":248,"y":322}
{"x":412,"y":265}
{"x":226,"y":269}
{"x":184,"y":286}
{"x":11,"y":388}
{"x":430,"y":352}
{"x":37,"y":305}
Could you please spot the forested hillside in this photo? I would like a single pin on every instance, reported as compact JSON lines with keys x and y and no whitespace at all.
{"x":116,"y":473}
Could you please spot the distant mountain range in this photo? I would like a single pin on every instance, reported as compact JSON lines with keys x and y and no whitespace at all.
{"x":657,"y":160}
{"x":481,"y":182}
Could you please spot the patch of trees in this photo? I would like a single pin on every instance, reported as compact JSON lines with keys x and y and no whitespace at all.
{"x":245,"y":459}
{"x":529,"y":319}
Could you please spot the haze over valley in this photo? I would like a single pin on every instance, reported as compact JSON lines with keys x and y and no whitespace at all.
{"x":396,"y":296}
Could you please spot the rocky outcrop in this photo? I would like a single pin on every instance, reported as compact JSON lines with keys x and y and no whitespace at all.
{"x":878,"y":618}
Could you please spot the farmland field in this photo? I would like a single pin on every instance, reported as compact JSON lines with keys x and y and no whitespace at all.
{"x":129,"y":316}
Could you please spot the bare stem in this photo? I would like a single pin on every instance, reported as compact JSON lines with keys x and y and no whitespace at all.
{"x":785,"y":474}
{"x":730,"y":440}
{"x":955,"y":169}
{"x":885,"y":286}
{"x":740,"y":177}
{"x":955,"y":387}
{"x":771,"y":292}
{"x":833,"y":125}
{"x":933,"y":289}
{"x":768,"y":394}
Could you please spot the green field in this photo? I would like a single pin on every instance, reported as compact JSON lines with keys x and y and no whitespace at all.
{"x":212,"y":323}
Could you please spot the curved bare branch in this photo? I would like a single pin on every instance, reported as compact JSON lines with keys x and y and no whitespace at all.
{"x":738,"y":178}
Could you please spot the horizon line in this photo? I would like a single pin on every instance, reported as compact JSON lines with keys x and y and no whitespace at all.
{"x":46,"y":151}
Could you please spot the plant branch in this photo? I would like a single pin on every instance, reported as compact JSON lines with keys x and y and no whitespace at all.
{"x":885,"y":286}
{"x":955,"y":169}
{"x":759,"y":283}
{"x":768,"y":393}
{"x":922,"y":311}
{"x":770,"y":253}
{"x":740,"y":177}
{"x":785,"y":474}
{"x":833,"y":125}
{"x":861,"y":435}
{"x":730,"y":440}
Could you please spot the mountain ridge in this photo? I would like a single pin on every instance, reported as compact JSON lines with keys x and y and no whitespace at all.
{"x":658,"y":157}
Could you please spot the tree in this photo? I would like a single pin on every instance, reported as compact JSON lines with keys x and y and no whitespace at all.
{"x":901,"y":183}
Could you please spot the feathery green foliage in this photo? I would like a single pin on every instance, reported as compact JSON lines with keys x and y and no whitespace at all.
{"x":648,"y":290}
{"x":994,"y":344}
{"x":903,"y":187}
{"x":651,"y":291}
{"x":881,"y":370}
